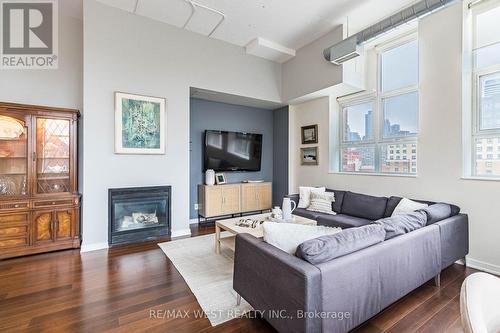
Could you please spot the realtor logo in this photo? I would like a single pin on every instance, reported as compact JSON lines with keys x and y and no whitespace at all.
{"x":28,"y":34}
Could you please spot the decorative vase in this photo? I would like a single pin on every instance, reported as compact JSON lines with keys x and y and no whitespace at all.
{"x":210,"y":177}
{"x":287,"y":208}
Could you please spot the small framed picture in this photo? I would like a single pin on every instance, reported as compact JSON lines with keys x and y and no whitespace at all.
{"x":220,"y":178}
{"x":309,"y":134}
{"x":309,"y":155}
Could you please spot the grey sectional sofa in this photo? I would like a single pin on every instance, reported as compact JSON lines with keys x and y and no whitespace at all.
{"x":336,"y":296}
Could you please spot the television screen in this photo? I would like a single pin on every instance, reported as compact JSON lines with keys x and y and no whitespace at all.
{"x":232,"y":151}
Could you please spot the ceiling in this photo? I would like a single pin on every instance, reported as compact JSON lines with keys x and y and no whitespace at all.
{"x":291,"y":23}
{"x":286,"y":24}
{"x":216,"y":96}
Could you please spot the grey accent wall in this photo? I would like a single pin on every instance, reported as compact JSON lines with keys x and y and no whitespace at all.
{"x":220,"y":116}
{"x":280,"y":155}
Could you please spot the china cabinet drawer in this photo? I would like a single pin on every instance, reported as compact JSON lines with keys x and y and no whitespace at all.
{"x":15,"y":242}
{"x":14,"y":231}
{"x":14,"y":205}
{"x":13,"y":219}
{"x":55,"y":203}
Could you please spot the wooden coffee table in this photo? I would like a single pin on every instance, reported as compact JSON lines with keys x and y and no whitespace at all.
{"x":230,"y":226}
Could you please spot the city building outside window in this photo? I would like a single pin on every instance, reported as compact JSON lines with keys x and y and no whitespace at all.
{"x":486,"y":90}
{"x":379,"y":131}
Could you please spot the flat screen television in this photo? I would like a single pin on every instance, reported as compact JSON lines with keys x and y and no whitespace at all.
{"x":232,"y":151}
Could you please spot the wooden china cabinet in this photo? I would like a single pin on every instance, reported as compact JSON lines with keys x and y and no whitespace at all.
{"x":39,"y":202}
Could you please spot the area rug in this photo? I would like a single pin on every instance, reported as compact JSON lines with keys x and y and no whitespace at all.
{"x":208,"y":275}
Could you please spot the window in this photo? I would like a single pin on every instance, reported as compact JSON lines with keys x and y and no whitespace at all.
{"x":486,"y":94}
{"x":379,"y":131}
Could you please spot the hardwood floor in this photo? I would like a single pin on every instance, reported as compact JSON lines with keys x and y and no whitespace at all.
{"x":119,"y":290}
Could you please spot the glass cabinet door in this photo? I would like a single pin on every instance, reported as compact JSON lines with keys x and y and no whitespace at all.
{"x":52,"y":155}
{"x":13,"y":157}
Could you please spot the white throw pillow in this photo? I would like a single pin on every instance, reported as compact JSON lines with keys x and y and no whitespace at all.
{"x":408,"y":206}
{"x":287,"y":236}
{"x":305,"y":195}
{"x":322,"y":202}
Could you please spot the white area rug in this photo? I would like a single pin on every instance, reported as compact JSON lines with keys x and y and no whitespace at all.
{"x":208,"y":275}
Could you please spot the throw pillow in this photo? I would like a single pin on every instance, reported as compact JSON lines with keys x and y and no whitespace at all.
{"x":287,"y":236}
{"x":407,"y":206}
{"x":326,"y":248}
{"x":305,"y":195}
{"x":322,"y":202}
{"x":437,"y":212}
{"x":402,"y":223}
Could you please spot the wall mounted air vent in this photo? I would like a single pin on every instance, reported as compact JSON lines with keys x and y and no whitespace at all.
{"x":350,"y":48}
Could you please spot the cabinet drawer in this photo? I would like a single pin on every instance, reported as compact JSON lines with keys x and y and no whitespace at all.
{"x":14,"y":231}
{"x":55,"y":203}
{"x":14,"y":205}
{"x":14,"y":219}
{"x":17,"y":242}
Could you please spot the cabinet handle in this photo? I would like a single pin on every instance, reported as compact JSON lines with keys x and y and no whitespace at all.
{"x":34,"y":156}
{"x":53,"y":227}
{"x":53,"y":202}
{"x":16,"y":206}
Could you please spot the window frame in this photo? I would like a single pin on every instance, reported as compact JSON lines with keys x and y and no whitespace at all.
{"x":377,"y":99}
{"x":477,"y":74}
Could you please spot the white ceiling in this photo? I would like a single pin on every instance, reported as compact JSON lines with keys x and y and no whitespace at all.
{"x":290,"y":23}
{"x":216,"y":96}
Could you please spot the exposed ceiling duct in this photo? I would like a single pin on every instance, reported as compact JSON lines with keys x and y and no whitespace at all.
{"x":350,"y":48}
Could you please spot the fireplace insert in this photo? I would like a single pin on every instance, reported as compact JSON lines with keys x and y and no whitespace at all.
{"x":138,"y":214}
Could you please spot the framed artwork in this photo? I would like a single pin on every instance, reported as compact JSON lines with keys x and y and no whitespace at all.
{"x":220,"y":178}
{"x":309,"y":134}
{"x":140,"y":124}
{"x":309,"y":155}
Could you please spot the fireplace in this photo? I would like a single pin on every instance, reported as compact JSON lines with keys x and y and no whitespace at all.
{"x":138,"y":214}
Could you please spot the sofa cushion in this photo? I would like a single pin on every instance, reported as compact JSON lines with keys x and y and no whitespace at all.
{"x":341,"y":221}
{"x":287,"y":236}
{"x":327,"y":248}
{"x":322,"y":202}
{"x":406,"y":205}
{"x":394,"y":201}
{"x":305,"y":195}
{"x":364,"y":206}
{"x":306,"y":213}
{"x":402,"y":223}
{"x":437,"y":212}
{"x":339,"y":198}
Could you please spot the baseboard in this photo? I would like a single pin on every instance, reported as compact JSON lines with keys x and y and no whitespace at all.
{"x":180,"y":233}
{"x":483,"y":266}
{"x":93,"y":247}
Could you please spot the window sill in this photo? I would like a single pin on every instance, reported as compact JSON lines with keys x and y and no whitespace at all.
{"x":491,"y":179}
{"x":373,"y":174}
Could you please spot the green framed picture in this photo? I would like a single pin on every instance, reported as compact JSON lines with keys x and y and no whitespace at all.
{"x":139,"y":124}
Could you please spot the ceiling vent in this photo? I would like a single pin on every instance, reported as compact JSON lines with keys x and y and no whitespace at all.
{"x":350,"y":48}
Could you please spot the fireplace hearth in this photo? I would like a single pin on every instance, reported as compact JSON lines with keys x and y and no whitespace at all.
{"x":138,"y":214}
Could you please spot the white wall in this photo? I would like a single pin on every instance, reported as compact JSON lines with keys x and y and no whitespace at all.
{"x":62,"y":87}
{"x":440,"y":143}
{"x":129,"y":53}
{"x":308,"y":71}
